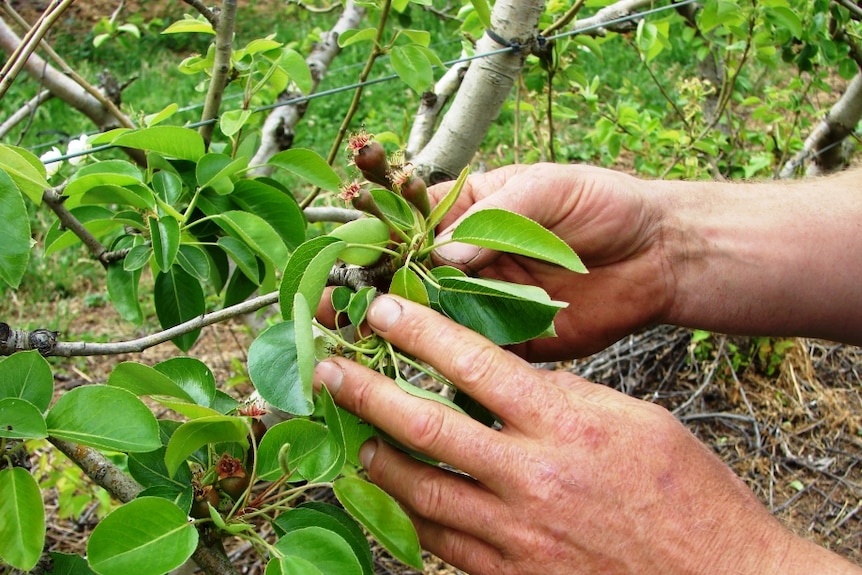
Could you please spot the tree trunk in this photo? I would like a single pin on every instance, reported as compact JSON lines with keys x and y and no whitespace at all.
{"x":485,"y":88}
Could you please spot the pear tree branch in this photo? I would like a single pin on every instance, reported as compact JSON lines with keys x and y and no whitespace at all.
{"x":221,"y":68}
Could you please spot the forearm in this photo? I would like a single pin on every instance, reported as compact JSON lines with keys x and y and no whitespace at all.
{"x":777,"y":258}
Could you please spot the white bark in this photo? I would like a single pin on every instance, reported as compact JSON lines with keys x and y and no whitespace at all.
{"x":823,"y":142}
{"x":58,"y":83}
{"x":594,"y":24}
{"x":431,"y":106}
{"x":278,"y":128}
{"x":485,"y":88}
{"x":24,"y":112}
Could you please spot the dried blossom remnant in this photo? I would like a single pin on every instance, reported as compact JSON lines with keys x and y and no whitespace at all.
{"x":358,"y":141}
{"x":252,"y":410}
{"x":350,"y":191}
{"x":229,"y":466}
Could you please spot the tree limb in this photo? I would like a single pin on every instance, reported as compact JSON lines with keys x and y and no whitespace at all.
{"x":54,"y":200}
{"x":205,"y":11}
{"x":24,"y":112}
{"x":823,"y":143}
{"x":278,"y":128}
{"x":221,"y":68}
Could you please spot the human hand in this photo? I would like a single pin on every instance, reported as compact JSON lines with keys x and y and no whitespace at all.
{"x":607,"y":217}
{"x":581,"y":478}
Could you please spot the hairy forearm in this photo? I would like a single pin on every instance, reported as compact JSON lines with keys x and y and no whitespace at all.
{"x":776,"y":258}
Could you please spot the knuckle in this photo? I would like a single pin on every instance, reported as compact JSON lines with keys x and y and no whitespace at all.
{"x":475,"y":366}
{"x":427,"y":497}
{"x":426,"y":429}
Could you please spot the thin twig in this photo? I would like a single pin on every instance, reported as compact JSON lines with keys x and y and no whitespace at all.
{"x":205,"y":11}
{"x":221,"y":68}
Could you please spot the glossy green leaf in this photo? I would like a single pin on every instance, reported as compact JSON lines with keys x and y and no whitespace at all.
{"x":22,"y":530}
{"x":304,"y":338}
{"x":232,"y":121}
{"x":218,"y":170}
{"x":417,"y":391}
{"x":147,"y":536}
{"x":359,"y":304}
{"x":70,"y":564}
{"x":313,"y":453}
{"x":483,"y":10}
{"x":296,"y":67}
{"x":150,"y":470}
{"x":137,"y":258}
{"x":20,"y":419}
{"x":25,"y":170}
{"x":513,"y":233}
{"x":395,"y":208}
{"x":340,"y":298}
{"x":325,"y":549}
{"x":275,"y":372}
{"x":97,"y":220}
{"x":127,"y":426}
{"x":192,"y":435}
{"x":168,"y":186}
{"x":107,"y":173}
{"x":307,"y":272}
{"x":291,"y":565}
{"x":242,"y":256}
{"x":443,"y":206}
{"x":165,"y":237}
{"x":188,"y":24}
{"x":192,"y":376}
{"x":15,"y":247}
{"x":504,"y":313}
{"x":309,"y":166}
{"x":161,"y":115}
{"x":413,"y":67}
{"x":194,"y":261}
{"x":407,"y":284}
{"x":123,"y":291}
{"x":142,"y":379}
{"x":353,"y":36}
{"x":333,"y":518}
{"x":179,"y":298}
{"x":257,"y":233}
{"x":382,"y":517}
{"x":27,"y":375}
{"x":274,"y":206}
{"x":171,"y":141}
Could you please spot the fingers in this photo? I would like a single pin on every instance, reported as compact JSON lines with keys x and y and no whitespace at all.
{"x":424,"y":426}
{"x":507,"y":385}
{"x":432,"y":495}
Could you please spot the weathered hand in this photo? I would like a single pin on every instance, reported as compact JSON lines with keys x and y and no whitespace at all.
{"x":608,"y":218}
{"x":581,"y":479}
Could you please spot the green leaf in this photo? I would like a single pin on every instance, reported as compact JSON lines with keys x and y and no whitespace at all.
{"x":515,"y":234}
{"x":232,"y":121}
{"x":417,"y":391}
{"x":395,"y":208}
{"x":194,"y":261}
{"x":412,"y":65}
{"x":307,"y":272}
{"x":363,"y":232}
{"x":483,"y":11}
{"x":20,"y":419}
{"x":325,"y":549}
{"x":275,"y":372}
{"x":70,"y":564}
{"x":123,"y":292}
{"x":171,"y":141}
{"x":257,"y":234}
{"x":147,"y":536}
{"x":242,"y":256}
{"x":189,"y":24}
{"x":179,"y":298}
{"x":193,"y":377}
{"x":26,"y":375}
{"x":160,"y":116}
{"x":291,"y":565}
{"x":354,"y":36}
{"x":274,"y":206}
{"x":108,"y":173}
{"x":382,"y":516}
{"x":194,"y":434}
{"x":333,"y":518}
{"x":407,"y":284}
{"x":15,"y":247}
{"x":294,"y":64}
{"x":218,"y":170}
{"x":22,"y":531}
{"x":25,"y":170}
{"x":142,"y":379}
{"x":784,"y":17}
{"x":359,"y":304}
{"x":128,"y":425}
{"x":313,"y":452}
{"x":165,"y":237}
{"x":504,"y":313}
{"x":443,"y":206}
{"x":308,"y":165}
{"x":149,"y":469}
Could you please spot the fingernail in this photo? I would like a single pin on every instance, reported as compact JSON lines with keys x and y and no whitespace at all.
{"x":383,"y":313}
{"x":366,"y":453}
{"x":329,"y":374}
{"x":457,"y":253}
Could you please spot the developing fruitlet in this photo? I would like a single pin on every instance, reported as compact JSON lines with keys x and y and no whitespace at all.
{"x":364,"y":201}
{"x":203,"y":495}
{"x":366,"y":231}
{"x":233,"y":478}
{"x":415,"y":192}
{"x":371,"y":161}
